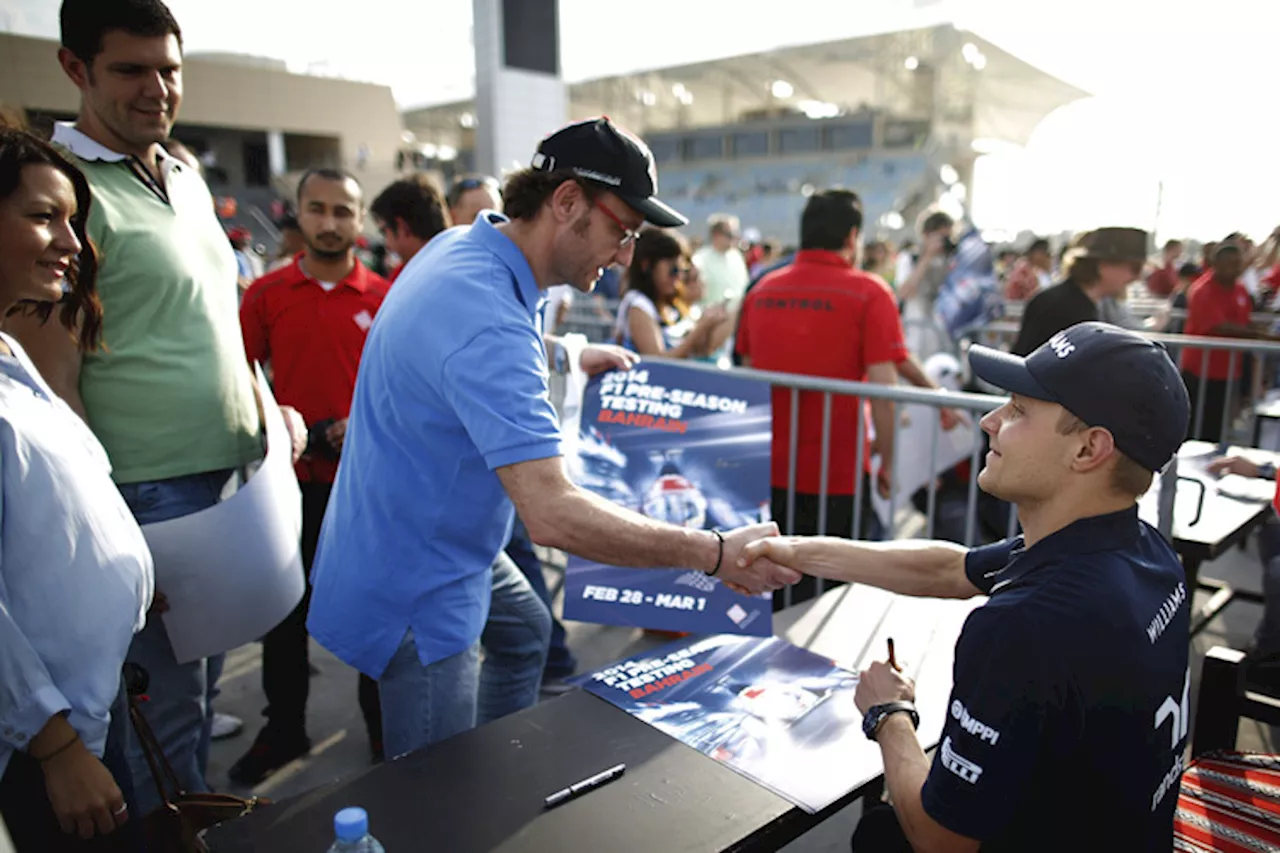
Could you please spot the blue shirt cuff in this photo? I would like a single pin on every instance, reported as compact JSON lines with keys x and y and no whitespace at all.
{"x":522,"y":453}
{"x":25,"y":721}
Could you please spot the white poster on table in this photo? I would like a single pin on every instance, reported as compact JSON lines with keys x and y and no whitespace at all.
{"x":232,"y":572}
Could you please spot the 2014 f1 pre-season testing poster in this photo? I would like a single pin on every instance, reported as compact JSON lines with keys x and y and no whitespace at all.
{"x":685,"y":446}
{"x":779,"y":715}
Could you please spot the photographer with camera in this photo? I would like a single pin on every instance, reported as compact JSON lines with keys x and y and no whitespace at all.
{"x":309,"y":320}
{"x":919,"y":291}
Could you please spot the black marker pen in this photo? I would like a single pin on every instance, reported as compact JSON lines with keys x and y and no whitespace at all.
{"x":602,"y":778}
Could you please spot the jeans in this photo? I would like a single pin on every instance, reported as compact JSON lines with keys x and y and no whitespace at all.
{"x":286,"y":668}
{"x":425,"y":704}
{"x":560,"y":661}
{"x":180,"y":706}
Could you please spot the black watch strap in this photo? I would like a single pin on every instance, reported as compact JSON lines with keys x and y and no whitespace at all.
{"x":877,"y":714}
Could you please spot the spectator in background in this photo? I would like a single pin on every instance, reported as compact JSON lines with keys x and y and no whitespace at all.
{"x":471,"y":194}
{"x":292,"y":242}
{"x":919,"y":290}
{"x":1219,"y":306}
{"x":878,"y":259}
{"x":1101,"y":264}
{"x":172,"y":399}
{"x":1040,"y":259}
{"x":1163,"y":280}
{"x":653,"y":314}
{"x":822,"y":316}
{"x":76,"y":579}
{"x":767,"y":258}
{"x":723,"y":269}
{"x":1164,"y":321}
{"x":309,"y":321}
{"x":248,"y":265}
{"x":408,"y":213}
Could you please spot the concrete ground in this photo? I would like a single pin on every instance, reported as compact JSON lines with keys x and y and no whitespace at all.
{"x":340,"y":746}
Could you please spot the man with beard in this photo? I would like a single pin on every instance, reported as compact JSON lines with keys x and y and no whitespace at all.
{"x":309,"y":321}
{"x":170,"y":396}
{"x":452,"y":425}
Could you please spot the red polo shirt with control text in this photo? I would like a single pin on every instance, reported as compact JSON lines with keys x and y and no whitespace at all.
{"x":1209,"y":304}
{"x":313,"y":339}
{"x":819,"y":317}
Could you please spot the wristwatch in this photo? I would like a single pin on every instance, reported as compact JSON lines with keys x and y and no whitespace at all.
{"x":877,"y":714}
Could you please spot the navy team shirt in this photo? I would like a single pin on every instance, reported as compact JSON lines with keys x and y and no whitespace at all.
{"x":1069,"y":714}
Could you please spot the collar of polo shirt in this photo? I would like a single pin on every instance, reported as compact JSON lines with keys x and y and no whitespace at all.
{"x":484,"y":231}
{"x":69,"y":137}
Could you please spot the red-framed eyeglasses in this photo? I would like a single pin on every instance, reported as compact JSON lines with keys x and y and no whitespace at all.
{"x":629,"y":235}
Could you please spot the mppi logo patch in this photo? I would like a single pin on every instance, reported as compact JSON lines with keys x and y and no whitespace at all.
{"x":972,"y":724}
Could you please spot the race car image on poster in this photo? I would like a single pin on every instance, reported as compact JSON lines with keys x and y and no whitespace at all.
{"x":682,"y":446}
{"x":779,"y":714}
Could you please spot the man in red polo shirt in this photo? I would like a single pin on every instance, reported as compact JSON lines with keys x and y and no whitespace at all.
{"x":309,"y":321}
{"x":1218,"y":306}
{"x":1163,"y":280}
{"x":408,"y":213}
{"x":821,"y":316}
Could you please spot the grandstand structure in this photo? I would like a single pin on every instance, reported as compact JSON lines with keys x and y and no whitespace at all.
{"x":897,"y":116}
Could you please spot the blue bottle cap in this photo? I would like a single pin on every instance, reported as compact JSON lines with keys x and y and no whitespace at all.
{"x":351,"y":824}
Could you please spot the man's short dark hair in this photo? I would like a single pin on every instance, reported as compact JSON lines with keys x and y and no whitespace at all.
{"x":1169,"y":244}
{"x":288,"y":222}
{"x":1040,"y":244}
{"x":829,"y":216}
{"x":328,"y":173}
{"x":85,"y":23}
{"x":467,"y":183}
{"x":416,"y":201}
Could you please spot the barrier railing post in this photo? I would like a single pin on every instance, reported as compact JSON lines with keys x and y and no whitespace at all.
{"x":1167,"y":498}
{"x":823,"y":475}
{"x":931,"y":507}
{"x":1200,"y":386}
{"x":859,"y":460}
{"x":793,"y":445}
{"x":1226,"y":398}
{"x":971,"y":510}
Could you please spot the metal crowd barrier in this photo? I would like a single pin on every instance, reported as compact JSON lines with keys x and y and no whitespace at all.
{"x":974,"y":405}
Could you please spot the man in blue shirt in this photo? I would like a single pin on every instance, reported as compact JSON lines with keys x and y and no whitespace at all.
{"x":1069,"y":711}
{"x":451,"y":425}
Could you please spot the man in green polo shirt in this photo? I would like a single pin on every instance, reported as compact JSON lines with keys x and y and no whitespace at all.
{"x":169,"y":394}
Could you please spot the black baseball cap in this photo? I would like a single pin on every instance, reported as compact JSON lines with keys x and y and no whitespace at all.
{"x":1107,"y":377}
{"x":599,"y":152}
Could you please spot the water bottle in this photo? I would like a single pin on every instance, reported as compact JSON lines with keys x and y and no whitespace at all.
{"x":351,"y":826}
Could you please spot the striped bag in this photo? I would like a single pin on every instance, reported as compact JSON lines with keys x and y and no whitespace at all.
{"x":1229,"y":801}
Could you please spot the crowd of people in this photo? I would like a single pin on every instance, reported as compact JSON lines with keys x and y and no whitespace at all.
{"x":427,"y":453}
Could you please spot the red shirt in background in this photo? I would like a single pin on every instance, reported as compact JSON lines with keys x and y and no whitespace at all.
{"x":819,"y":317}
{"x":1163,"y":281}
{"x":313,"y":339}
{"x":1210,"y":304}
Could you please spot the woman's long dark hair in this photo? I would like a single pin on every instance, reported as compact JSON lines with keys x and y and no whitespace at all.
{"x":81,"y":310}
{"x":653,"y":246}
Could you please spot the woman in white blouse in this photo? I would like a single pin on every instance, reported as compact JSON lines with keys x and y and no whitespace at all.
{"x":75,"y":573}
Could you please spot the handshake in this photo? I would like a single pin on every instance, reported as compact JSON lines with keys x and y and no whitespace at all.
{"x":756,"y":559}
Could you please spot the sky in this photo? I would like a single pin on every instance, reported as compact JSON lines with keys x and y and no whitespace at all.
{"x":1181,"y":119}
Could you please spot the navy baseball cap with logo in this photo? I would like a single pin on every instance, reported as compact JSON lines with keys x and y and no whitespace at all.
{"x":597,"y":151}
{"x":1107,"y":377}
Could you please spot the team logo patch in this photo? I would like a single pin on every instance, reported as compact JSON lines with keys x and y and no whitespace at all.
{"x":962,"y":767}
{"x":364,"y":320}
{"x":972,"y":724}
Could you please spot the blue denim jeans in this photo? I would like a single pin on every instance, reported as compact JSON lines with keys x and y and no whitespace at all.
{"x":180,"y":706}
{"x":560,"y":661}
{"x":425,"y":704}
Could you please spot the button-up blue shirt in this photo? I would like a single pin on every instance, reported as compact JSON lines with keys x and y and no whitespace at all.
{"x":75,"y":572}
{"x":452,"y":385}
